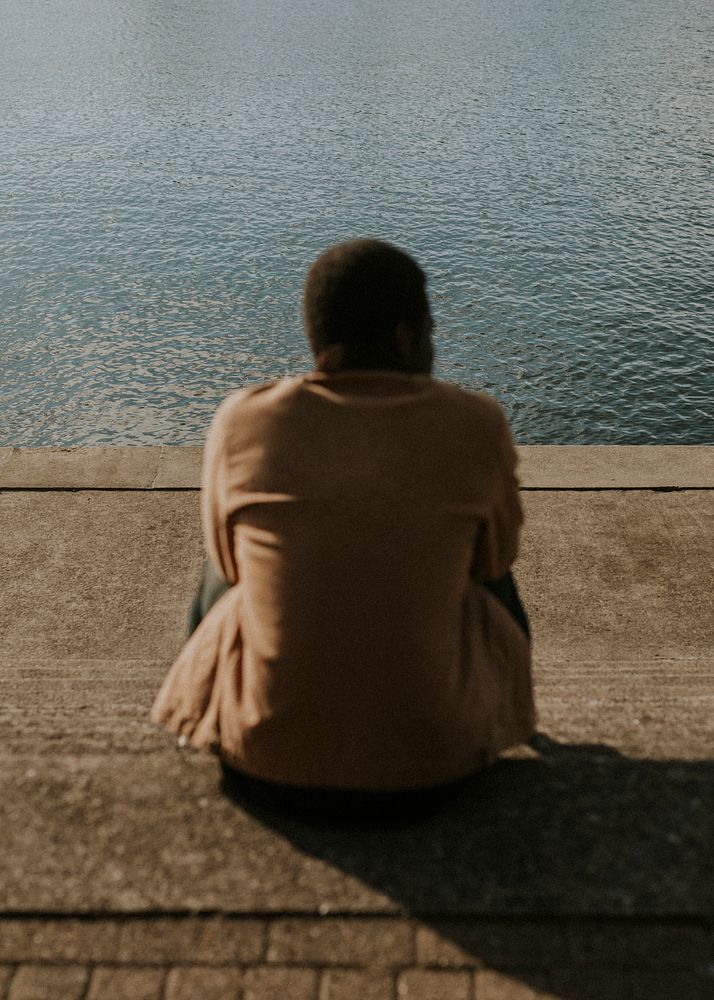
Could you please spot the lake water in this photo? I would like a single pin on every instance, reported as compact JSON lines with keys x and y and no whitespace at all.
{"x":169,"y":168}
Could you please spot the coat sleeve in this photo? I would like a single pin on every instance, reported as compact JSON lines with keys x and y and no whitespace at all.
{"x":498,"y":538}
{"x":216,"y":511}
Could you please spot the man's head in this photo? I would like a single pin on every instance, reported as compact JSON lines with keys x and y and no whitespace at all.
{"x":366,"y":308}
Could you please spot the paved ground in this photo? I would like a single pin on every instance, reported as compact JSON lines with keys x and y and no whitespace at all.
{"x":583,"y":870}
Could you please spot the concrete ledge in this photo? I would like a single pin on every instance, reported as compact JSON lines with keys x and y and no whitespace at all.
{"x":617,"y":466}
{"x":122,"y":468}
{"x":544,"y":467}
{"x":79,"y":468}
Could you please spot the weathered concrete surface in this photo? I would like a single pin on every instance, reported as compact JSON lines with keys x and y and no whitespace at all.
{"x":590,"y":834}
{"x":85,"y":468}
{"x":616,"y":466}
{"x":179,"y":468}
{"x":656,"y":708}
{"x":619,"y":576}
{"x":50,"y":706}
{"x":607,"y":576}
{"x":109,"y":468}
{"x":542,"y":467}
{"x":97,"y":575}
{"x":101,"y":812}
{"x":152,"y":467}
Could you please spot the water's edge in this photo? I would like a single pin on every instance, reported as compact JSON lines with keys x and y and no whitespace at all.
{"x":542,"y":467}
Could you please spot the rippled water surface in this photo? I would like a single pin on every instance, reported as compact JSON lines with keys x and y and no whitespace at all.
{"x":169,"y":168}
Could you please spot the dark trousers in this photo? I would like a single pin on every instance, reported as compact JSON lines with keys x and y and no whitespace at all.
{"x":211,"y":587}
{"x":507,"y":593}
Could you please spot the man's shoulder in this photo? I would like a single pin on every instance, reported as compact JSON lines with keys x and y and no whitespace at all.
{"x":260,"y":408}
{"x":255,"y":399}
{"x":469,"y":403}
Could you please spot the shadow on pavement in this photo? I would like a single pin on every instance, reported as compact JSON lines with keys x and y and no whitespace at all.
{"x":526,"y":862}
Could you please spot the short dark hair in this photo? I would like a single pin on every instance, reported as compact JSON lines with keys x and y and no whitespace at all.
{"x":357,"y":293}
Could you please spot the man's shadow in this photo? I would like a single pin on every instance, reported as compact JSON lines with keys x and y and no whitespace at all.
{"x":578,"y":833}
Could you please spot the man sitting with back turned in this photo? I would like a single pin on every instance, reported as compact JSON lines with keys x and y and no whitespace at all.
{"x":360,"y":523}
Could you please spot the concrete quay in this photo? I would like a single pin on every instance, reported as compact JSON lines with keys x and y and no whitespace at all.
{"x":579,"y":869}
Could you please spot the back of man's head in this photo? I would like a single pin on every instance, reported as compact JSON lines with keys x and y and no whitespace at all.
{"x":369,"y":297}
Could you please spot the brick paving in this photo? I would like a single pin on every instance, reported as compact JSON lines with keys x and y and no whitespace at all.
{"x":49,"y":982}
{"x":353,"y":984}
{"x":427,"y":984}
{"x":492,"y":985}
{"x":203,"y":981}
{"x":29,"y":982}
{"x":673,"y":986}
{"x":353,"y":958}
{"x":126,"y":983}
{"x":266,"y":983}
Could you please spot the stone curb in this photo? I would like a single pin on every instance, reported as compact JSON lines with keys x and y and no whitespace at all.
{"x":128,"y":468}
{"x":369,"y":941}
{"x":542,"y":467}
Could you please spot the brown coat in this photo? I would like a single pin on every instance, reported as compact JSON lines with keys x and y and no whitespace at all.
{"x":357,"y":515}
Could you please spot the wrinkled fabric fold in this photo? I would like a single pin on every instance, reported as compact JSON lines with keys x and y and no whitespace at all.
{"x":358,"y":518}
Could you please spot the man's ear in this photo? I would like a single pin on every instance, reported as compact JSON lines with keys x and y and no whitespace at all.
{"x":330,"y":358}
{"x":414,"y":346}
{"x":404,"y":338}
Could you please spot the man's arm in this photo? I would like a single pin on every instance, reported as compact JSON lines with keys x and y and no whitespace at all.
{"x":216,"y":484}
{"x":497,"y":544}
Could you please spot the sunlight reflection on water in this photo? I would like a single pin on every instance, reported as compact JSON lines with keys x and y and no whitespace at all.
{"x":169,"y":171}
